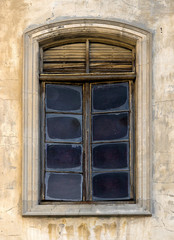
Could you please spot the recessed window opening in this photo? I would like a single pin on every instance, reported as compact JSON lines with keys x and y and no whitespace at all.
{"x":87,"y":119}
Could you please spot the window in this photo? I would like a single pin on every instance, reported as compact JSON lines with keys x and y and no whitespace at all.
{"x":86,"y":151}
{"x":88,"y":125}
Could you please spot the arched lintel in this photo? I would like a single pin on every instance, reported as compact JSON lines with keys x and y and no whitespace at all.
{"x":122,"y":33}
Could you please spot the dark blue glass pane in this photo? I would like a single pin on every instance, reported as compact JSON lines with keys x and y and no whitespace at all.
{"x":110,"y":186}
{"x":63,"y":98}
{"x":64,"y":127}
{"x":64,"y":157}
{"x":110,"y":126}
{"x":108,"y":97}
{"x":110,"y":156}
{"x":63,"y":186}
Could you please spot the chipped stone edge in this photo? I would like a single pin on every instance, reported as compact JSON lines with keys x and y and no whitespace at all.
{"x":31,"y":142}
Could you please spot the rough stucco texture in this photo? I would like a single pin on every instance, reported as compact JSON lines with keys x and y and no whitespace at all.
{"x":155,"y":16}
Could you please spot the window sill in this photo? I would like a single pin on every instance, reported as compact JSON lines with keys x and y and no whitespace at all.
{"x":89,"y":210}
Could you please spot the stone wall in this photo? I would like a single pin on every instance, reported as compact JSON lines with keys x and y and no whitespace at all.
{"x":154,"y":16}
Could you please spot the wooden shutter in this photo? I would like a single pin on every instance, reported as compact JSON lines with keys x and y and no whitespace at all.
{"x":65,"y":59}
{"x":109,"y":58}
{"x":75,"y":58}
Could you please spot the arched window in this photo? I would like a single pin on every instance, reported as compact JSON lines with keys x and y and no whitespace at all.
{"x":86,"y":121}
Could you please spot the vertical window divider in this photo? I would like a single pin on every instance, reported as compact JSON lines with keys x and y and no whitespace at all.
{"x":41,"y":59}
{"x":42,"y":133}
{"x":90,"y":139}
{"x":87,"y":56}
{"x":131,"y":144}
{"x":86,"y":143}
{"x":133,"y":60}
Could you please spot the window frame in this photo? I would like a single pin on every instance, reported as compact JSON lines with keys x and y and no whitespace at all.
{"x":86,"y":142}
{"x":31,"y":122}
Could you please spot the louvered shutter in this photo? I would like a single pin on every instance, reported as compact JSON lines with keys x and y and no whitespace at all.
{"x":66,"y":59}
{"x":75,"y":58}
{"x":108,"y":58}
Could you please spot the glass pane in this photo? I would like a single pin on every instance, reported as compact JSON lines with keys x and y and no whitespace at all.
{"x":64,"y":127}
{"x":110,"y":126}
{"x":110,"y":156}
{"x":64,"y":186}
{"x":64,"y":157}
{"x":109,"y":97}
{"x":110,"y":186}
{"x":63,"y":98}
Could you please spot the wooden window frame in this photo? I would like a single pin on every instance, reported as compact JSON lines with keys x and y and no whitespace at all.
{"x":86,"y":159}
{"x":114,"y":31}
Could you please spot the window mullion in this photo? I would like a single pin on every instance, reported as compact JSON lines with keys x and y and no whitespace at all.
{"x":86,"y":142}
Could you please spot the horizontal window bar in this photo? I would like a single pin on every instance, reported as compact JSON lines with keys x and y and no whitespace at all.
{"x":52,"y":171}
{"x":110,"y":170}
{"x":59,"y":202}
{"x":93,"y":113}
{"x":87,"y":77}
{"x":63,"y":142}
{"x":105,"y":112}
{"x":113,"y":141}
{"x":73,"y":113}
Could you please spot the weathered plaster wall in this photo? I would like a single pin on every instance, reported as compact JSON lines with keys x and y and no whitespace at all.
{"x":155,"y":16}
